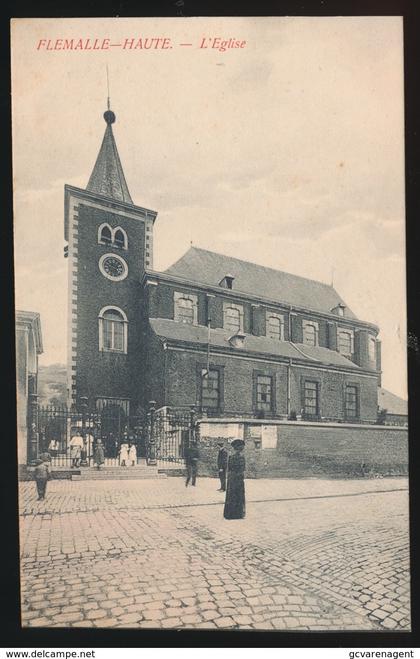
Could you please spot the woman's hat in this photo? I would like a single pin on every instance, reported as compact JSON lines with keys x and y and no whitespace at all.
{"x":238,"y":443}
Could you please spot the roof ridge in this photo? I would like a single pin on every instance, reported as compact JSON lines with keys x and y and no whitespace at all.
{"x":258,"y":265}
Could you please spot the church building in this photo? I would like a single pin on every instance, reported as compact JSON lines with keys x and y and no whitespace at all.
{"x":231,"y":337}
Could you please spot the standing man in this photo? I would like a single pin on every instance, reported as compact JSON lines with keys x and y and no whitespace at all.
{"x":222,"y":461}
{"x":191,"y":462}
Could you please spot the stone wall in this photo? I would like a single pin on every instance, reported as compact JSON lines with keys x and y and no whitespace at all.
{"x":297,"y":449}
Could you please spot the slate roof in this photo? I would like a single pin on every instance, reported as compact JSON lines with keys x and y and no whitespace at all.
{"x":203,"y":266}
{"x":391,"y":403}
{"x":107,"y":177}
{"x":176,"y":331}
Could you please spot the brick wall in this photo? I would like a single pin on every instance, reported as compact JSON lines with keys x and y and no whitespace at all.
{"x":182,"y":386}
{"x":310,"y":450}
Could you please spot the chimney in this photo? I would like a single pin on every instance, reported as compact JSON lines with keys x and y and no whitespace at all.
{"x":339,"y":310}
{"x":227,"y":281}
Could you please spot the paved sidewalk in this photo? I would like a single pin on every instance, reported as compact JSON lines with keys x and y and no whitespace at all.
{"x":310,"y":555}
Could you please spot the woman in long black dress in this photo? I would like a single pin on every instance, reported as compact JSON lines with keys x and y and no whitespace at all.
{"x":235,"y":491}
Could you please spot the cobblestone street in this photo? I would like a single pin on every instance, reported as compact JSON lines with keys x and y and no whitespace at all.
{"x":310,"y":555}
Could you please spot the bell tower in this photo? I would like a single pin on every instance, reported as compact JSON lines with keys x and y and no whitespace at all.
{"x":109,"y":246}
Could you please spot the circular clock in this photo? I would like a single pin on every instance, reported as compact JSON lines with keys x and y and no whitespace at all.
{"x":113,"y":267}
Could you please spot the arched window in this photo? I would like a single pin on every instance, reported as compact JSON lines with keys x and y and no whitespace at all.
{"x":185,"y":310}
{"x":232,"y":320}
{"x":345,"y":342}
{"x":120,"y":238}
{"x":112,"y":330}
{"x":105,"y":234}
{"x":310,"y":333}
{"x":116,"y":237}
{"x":275,"y":327}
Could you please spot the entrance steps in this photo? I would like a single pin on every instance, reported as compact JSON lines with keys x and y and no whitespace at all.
{"x":117,"y":473}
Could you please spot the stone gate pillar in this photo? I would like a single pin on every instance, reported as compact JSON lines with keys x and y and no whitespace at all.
{"x":33,"y":434}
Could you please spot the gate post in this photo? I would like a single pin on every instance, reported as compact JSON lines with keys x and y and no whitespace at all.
{"x":83,"y":408}
{"x":151,"y":445}
{"x":33,"y":438}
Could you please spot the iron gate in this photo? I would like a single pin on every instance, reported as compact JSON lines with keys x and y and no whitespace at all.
{"x":170,"y":432}
{"x":55,"y":426}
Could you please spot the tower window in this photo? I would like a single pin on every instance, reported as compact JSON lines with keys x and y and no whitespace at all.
{"x":116,"y":237}
{"x":105,"y":235}
{"x":113,"y":330}
{"x":185,"y":308}
{"x":119,"y":238}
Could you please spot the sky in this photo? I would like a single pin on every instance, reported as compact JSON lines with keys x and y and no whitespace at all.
{"x":288,"y":152}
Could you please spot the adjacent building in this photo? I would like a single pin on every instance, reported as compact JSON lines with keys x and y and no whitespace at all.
{"x":28,"y":348}
{"x":232,"y":337}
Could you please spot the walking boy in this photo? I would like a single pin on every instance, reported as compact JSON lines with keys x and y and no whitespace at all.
{"x":42,"y":474}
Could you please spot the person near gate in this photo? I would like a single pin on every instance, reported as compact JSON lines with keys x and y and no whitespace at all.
{"x":191,"y":462}
{"x":132,"y":455}
{"x":222,"y":461}
{"x":123,"y":454}
{"x":235,"y":491}
{"x":53,"y":447}
{"x":98,"y":454}
{"x":42,"y":473}
{"x":76,"y":445}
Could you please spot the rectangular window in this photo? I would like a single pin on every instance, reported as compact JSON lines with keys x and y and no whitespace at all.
{"x":210,"y":389}
{"x":311,"y":399}
{"x":352,"y":402}
{"x":310,"y":333}
{"x":264,"y":397}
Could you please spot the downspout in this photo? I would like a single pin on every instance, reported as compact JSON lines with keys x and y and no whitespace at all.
{"x":289,"y":375}
{"x":289,"y":367}
{"x":165,"y":393}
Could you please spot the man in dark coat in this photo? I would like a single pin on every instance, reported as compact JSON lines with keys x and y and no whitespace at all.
{"x":191,"y":462}
{"x":222,"y":461}
{"x":235,"y":492}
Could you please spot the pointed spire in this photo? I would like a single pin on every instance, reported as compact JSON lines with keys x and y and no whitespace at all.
{"x":107,"y":177}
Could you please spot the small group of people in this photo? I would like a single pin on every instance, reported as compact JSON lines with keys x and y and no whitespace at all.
{"x":231,"y":470}
{"x":127,"y":455}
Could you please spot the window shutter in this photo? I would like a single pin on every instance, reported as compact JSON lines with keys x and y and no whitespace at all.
{"x":332,"y":336}
{"x":297,"y":331}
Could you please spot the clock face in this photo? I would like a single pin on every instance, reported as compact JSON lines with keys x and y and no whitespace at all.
{"x":113,"y":267}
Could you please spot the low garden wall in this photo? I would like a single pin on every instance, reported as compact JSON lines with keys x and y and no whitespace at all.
{"x":285,"y":449}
